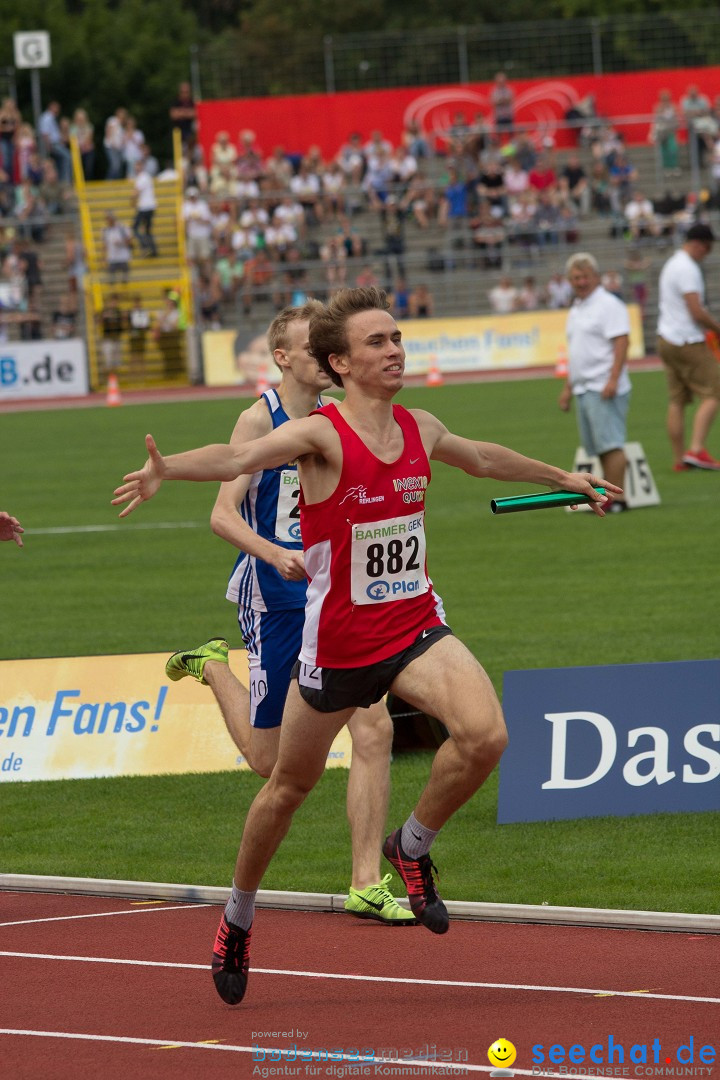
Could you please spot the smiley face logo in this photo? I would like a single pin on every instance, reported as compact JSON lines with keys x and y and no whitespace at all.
{"x":501,"y":1054}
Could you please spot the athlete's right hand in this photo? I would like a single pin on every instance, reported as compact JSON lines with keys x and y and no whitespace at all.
{"x":290,"y":565}
{"x":141,"y":485}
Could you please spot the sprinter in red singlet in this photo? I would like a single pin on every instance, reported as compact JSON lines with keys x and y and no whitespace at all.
{"x":373,"y":622}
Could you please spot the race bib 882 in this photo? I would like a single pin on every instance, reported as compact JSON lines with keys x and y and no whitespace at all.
{"x":388,"y":560}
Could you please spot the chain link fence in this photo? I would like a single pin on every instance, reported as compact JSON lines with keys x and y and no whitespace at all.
{"x":242,"y":67}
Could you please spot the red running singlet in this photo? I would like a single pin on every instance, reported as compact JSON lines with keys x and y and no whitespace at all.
{"x":369,"y":594}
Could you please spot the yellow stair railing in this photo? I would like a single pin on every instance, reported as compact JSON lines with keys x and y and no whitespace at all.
{"x":152,"y":357}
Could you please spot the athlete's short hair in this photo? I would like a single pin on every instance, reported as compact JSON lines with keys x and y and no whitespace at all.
{"x":278,"y":330}
{"x":328,"y":329}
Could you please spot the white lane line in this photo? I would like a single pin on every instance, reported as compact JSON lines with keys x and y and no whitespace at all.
{"x":281,"y":1055}
{"x":463,"y":984}
{"x":57,"y":530}
{"x":103,"y":914}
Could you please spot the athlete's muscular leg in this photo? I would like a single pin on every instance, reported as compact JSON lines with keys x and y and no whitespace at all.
{"x":368,"y":790}
{"x":305,"y":740}
{"x":447,"y":682}
{"x":259,"y":746}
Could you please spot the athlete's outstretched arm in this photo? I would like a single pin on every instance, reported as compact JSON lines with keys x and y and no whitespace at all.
{"x":484,"y":459}
{"x":221,"y":461}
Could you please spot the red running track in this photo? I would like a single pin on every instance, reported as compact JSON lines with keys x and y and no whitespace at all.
{"x":115,"y":988}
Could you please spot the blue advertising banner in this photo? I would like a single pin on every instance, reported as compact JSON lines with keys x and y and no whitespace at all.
{"x":617,"y":740}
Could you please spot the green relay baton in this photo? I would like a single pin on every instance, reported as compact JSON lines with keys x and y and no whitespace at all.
{"x":544,"y":501}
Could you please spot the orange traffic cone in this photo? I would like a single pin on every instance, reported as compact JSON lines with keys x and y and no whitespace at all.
{"x":561,"y":364}
{"x":262,"y":382}
{"x":434,"y":375}
{"x":113,"y":396}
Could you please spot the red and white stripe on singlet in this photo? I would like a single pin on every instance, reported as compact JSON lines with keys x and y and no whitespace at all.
{"x":369,"y":594}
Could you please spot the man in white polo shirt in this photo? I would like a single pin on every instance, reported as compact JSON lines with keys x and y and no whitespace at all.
{"x":692,"y":370}
{"x":598,"y":335}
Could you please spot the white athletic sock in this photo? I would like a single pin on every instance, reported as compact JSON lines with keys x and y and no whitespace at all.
{"x":415,"y":839}
{"x":240,"y":908}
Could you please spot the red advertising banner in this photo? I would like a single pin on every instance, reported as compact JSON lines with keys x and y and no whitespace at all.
{"x":326,"y":120}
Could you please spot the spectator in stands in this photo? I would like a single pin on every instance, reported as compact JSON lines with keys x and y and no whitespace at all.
{"x":663,"y":132}
{"x":53,"y":194}
{"x":692,"y":106}
{"x":114,"y":143}
{"x":573,"y":184}
{"x":503,"y":297}
{"x":10,"y":121}
{"x":31,"y":327}
{"x":208,"y":297}
{"x":529,"y":297}
{"x":399,"y":299}
{"x":490,"y":188}
{"x":376,"y":146}
{"x":149,"y":160}
{"x":367,"y":278}
{"x":421,"y":304}
{"x":547,"y":220}
{"x":75,"y":263}
{"x":334,"y":259}
{"x":351,"y":158}
{"x":255,"y":217}
{"x":64,"y":318}
{"x":249,"y":160}
{"x":419,"y":199}
{"x":34,"y":168}
{"x":30,"y":212}
{"x":415,"y":141}
{"x":706,"y":130}
{"x":132,"y":147}
{"x":112,"y":322}
{"x":488,"y":236}
{"x":515,"y":177}
{"x":280,"y":236}
{"x":198,"y":226}
{"x":307,"y":189}
{"x":404,"y":166}
{"x":333,"y":191}
{"x":502,"y":99}
{"x":84,"y":134}
{"x":257,"y":280}
{"x":612,"y":282}
{"x":636,"y":268}
{"x":622,"y":177}
{"x":558,"y":291}
{"x":542,"y":176}
{"x":30,"y":266}
{"x":222,"y":153}
{"x":145,"y":206}
{"x":25,"y":146}
{"x":291,"y":212}
{"x":139,"y":323}
{"x":194,"y":170}
{"x":354,"y":243}
{"x":52,"y":141}
{"x":183,"y":113}
{"x":167,"y":332}
{"x":640,"y":217}
{"x":117,"y":242}
{"x":522,"y":229}
{"x":379,"y":180}
{"x":278,"y":170}
{"x":600,"y":188}
{"x":453,"y":205}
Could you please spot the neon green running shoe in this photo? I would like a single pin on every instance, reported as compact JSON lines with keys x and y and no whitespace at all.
{"x":193,"y":662}
{"x":378,"y":903}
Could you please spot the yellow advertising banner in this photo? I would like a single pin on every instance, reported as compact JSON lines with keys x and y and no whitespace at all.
{"x":480,"y":343}
{"x":76,"y":717}
{"x":495,"y":342}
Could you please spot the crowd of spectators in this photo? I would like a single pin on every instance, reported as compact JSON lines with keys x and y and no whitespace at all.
{"x":265,"y":228}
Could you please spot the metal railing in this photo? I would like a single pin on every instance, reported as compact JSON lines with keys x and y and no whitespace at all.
{"x":237,"y":66}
